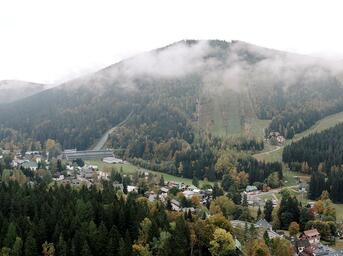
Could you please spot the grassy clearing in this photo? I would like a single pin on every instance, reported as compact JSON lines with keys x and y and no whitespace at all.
{"x":220,"y":114}
{"x":255,"y":127}
{"x":290,"y":178}
{"x":131,"y":169}
{"x":321,"y":125}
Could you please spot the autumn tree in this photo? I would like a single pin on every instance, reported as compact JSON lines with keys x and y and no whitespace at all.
{"x":222,"y":243}
{"x":293,"y":228}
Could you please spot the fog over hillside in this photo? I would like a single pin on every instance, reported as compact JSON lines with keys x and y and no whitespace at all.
{"x":230,"y":65}
{"x":12,"y":90}
{"x":216,"y":75}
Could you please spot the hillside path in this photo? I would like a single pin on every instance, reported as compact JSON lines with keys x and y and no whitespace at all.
{"x":102,"y":141}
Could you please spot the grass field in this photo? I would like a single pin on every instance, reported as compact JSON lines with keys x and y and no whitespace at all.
{"x":321,"y":125}
{"x":220,"y":114}
{"x":255,"y":127}
{"x":131,"y":169}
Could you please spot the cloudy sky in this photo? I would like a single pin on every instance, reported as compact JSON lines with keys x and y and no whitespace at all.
{"x":50,"y":41}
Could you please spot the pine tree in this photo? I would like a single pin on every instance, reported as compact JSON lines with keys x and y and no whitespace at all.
{"x":30,"y":247}
{"x":266,"y":237}
{"x":17,"y":247}
{"x":61,"y":246}
{"x":245,"y":200}
{"x":268,"y":209}
{"x":86,"y":251}
{"x":10,"y":235}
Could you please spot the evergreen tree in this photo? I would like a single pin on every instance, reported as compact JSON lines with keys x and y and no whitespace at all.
{"x":195,"y":181}
{"x":61,"y":246}
{"x":86,"y":251}
{"x":181,"y":237}
{"x":30,"y":247}
{"x":317,"y":185}
{"x":266,"y":237}
{"x":17,"y":247}
{"x":10,"y":235}
{"x":268,"y":209}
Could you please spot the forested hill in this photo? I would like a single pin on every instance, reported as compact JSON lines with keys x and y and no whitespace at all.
{"x":171,"y":92}
{"x":325,"y":147}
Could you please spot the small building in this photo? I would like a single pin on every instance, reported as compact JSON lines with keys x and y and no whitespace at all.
{"x":87,"y":172}
{"x":152,"y":197}
{"x":188,"y":209}
{"x":61,"y":177}
{"x":302,"y":246}
{"x":272,"y":234}
{"x":262,"y":223}
{"x":18,"y":162}
{"x":312,"y":235}
{"x":164,"y":190}
{"x":132,"y":189}
{"x":112,"y":160}
{"x":32,"y":153}
{"x":86,"y":154}
{"x":251,"y":189}
{"x":176,"y":206}
{"x":33,"y":166}
{"x":189,"y":194}
{"x":103,"y":175}
{"x":192,"y":188}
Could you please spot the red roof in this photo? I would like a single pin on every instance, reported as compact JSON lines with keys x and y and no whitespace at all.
{"x":311,"y":232}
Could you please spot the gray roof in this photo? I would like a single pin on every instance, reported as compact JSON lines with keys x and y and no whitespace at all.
{"x":262,"y":223}
{"x":302,"y":243}
{"x":29,"y":165}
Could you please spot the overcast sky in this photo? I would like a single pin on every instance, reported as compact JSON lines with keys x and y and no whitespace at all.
{"x":52,"y":41}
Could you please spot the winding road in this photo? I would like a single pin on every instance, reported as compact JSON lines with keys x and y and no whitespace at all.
{"x":102,"y":141}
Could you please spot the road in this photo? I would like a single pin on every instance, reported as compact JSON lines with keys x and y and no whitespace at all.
{"x":102,"y":141}
{"x":272,"y":192}
{"x":270,"y":151}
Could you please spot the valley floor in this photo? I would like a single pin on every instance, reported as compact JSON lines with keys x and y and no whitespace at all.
{"x":129,"y":168}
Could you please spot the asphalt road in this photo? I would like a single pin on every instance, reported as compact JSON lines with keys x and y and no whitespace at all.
{"x":102,"y":141}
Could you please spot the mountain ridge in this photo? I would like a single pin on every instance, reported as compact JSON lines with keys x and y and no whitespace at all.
{"x":262,"y":81}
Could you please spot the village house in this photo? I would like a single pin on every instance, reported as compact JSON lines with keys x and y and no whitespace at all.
{"x":31,"y":154}
{"x":189,"y":194}
{"x":277,"y":137}
{"x":61,"y":177}
{"x":250,"y":189}
{"x":303,"y":247}
{"x":164,"y":190}
{"x":176,"y":206}
{"x":188,"y":209}
{"x":103,"y":175}
{"x":87,"y":172}
{"x":312,"y":235}
{"x":262,"y":223}
{"x":132,"y":189}
{"x":33,"y":166}
{"x":18,"y":162}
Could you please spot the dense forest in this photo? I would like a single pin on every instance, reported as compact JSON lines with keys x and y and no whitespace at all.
{"x":302,"y":105}
{"x":325,"y":147}
{"x":319,"y":154}
{"x":59,"y":220}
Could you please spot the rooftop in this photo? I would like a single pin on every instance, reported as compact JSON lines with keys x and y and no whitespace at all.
{"x":311,"y":232}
